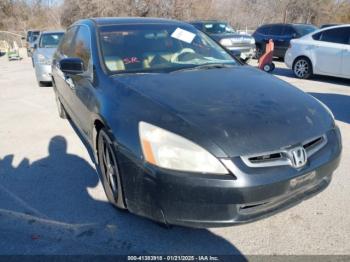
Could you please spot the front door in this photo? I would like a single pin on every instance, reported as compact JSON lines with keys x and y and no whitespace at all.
{"x":82,"y":85}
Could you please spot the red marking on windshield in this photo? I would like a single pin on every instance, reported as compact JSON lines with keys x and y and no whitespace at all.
{"x":131,"y":60}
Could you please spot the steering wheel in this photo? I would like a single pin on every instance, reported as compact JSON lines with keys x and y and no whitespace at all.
{"x":175,"y":57}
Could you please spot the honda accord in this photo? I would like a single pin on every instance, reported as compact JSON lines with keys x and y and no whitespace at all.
{"x":181,"y":132}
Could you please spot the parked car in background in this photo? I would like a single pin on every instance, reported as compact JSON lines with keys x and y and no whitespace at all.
{"x":43,"y":52}
{"x":32,"y":36}
{"x":181,"y":131}
{"x":327,"y":25}
{"x":242,"y":45}
{"x":281,"y":34}
{"x":324,"y":52}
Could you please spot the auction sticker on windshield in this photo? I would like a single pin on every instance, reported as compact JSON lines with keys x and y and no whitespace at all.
{"x":183,"y":35}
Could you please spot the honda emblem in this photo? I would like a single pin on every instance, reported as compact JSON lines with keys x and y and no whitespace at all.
{"x":298,"y":157}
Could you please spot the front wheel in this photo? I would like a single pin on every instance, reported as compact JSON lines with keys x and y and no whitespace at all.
{"x":302,"y":68}
{"x":108,"y":167}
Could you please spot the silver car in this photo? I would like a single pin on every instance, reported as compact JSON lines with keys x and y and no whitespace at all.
{"x":44,"y":49}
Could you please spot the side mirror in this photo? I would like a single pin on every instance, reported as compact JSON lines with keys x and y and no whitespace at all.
{"x":72,"y":66}
{"x":35,"y":46}
{"x":294,"y":35}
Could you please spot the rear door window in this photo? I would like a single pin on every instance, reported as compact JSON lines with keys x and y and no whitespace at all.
{"x":288,"y":31}
{"x":264,"y":30}
{"x":276,"y":30}
{"x":335,"y":35}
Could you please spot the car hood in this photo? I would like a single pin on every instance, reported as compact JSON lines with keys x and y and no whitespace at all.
{"x":239,"y":38}
{"x":47,"y":52}
{"x":240,"y":109}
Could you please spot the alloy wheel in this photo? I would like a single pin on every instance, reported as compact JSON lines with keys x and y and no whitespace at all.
{"x":301,"y":68}
{"x":108,"y":164}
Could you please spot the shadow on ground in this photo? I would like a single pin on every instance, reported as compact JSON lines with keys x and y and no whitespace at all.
{"x":325,"y":79}
{"x":339,"y":104}
{"x":46,"y":208}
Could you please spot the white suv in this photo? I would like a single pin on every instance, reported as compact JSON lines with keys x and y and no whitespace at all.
{"x":323,"y":52}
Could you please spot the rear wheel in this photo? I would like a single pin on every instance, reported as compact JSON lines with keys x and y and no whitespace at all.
{"x":108,"y":167}
{"x":302,"y":68}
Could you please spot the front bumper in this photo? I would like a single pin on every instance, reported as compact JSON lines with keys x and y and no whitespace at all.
{"x":43,"y":72}
{"x":243,"y":51}
{"x":288,"y":59}
{"x":221,"y":200}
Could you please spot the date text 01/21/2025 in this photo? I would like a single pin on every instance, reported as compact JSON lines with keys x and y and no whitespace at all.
{"x":173,"y":258}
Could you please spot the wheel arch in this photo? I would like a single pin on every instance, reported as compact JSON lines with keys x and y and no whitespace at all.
{"x":99,"y":124}
{"x":303,"y":56}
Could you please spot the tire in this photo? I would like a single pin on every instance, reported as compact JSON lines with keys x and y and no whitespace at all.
{"x":61,"y":111}
{"x":302,"y":68}
{"x":108,"y":169}
{"x":273,"y":66}
{"x":267,"y":68}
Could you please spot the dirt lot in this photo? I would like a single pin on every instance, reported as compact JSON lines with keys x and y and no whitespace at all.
{"x":51,"y":201}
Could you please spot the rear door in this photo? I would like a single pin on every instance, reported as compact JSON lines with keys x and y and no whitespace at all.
{"x":261,"y":37}
{"x":276,"y":34}
{"x":288,"y":33}
{"x":329,"y":50}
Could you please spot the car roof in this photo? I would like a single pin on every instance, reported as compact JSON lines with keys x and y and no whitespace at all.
{"x":208,"y":21}
{"x":52,"y":32}
{"x":335,"y":26}
{"x":101,"y":21}
{"x":330,"y":27}
{"x":291,"y":24}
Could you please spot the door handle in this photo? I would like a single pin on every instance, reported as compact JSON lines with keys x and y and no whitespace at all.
{"x":70,"y":82}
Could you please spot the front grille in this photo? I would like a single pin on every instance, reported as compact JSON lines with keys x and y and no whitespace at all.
{"x":282,"y":157}
{"x":264,"y":158}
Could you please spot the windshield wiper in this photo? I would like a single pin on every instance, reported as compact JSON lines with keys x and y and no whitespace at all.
{"x":204,"y":66}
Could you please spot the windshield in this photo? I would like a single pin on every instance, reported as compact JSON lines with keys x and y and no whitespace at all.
{"x":32,"y":35}
{"x":218,"y":28}
{"x":158,"y":48}
{"x":305,"y":29}
{"x":50,"y":40}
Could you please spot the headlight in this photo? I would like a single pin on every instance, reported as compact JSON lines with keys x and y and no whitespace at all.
{"x":226,"y":42}
{"x":43,"y":60}
{"x":168,"y":150}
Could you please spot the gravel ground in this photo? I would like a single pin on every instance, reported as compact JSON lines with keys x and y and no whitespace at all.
{"x":51,"y":201}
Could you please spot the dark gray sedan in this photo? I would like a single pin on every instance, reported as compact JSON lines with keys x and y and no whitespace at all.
{"x":241,"y":45}
{"x":182,"y":132}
